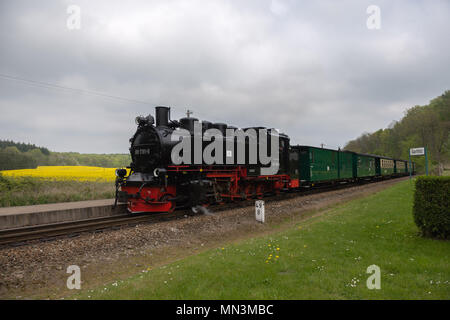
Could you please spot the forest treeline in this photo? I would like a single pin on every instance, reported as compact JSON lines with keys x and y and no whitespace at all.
{"x":15,"y":155}
{"x":422,"y":126}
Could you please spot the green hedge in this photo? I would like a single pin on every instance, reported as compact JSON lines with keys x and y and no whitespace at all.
{"x":432,"y":206}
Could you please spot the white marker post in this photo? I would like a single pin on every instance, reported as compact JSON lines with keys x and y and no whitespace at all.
{"x":259,"y":211}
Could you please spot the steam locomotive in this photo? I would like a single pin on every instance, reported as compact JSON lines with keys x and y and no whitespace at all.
{"x":158,"y":182}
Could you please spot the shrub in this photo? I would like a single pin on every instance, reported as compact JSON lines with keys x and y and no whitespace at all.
{"x":432,"y":206}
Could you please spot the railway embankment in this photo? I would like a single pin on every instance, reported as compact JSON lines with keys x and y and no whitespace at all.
{"x":26,"y":216}
{"x":367,"y":248}
{"x":38,"y":269}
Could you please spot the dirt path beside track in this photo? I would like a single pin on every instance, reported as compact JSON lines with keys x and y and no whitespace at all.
{"x":38,"y":270}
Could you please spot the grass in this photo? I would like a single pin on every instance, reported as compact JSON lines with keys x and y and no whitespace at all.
{"x":325,"y":257}
{"x":20,"y":191}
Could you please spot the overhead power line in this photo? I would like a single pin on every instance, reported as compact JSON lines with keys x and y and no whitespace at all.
{"x":56,"y":86}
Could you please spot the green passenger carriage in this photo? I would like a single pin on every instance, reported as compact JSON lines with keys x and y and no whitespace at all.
{"x":387,"y":166}
{"x":401,"y":167}
{"x":313,"y":165}
{"x":346,"y":164}
{"x":318,"y":164}
{"x":364,"y":165}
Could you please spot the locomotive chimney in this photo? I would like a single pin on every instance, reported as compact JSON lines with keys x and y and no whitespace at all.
{"x":162,"y":116}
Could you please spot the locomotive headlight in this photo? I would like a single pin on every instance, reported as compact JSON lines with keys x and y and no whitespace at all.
{"x":158,"y":172}
{"x":121,"y":173}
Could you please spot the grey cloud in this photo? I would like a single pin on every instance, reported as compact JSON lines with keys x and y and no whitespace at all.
{"x":311,"y":69}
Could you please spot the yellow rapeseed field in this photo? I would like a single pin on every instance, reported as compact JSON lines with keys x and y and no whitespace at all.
{"x":78,"y":173}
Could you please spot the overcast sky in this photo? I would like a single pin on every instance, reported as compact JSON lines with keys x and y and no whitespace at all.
{"x":310,"y":68}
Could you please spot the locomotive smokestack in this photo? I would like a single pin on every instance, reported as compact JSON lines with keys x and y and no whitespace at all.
{"x":162,"y":116}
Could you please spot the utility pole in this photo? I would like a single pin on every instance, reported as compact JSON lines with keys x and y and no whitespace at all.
{"x":418,"y":152}
{"x":410,"y":165}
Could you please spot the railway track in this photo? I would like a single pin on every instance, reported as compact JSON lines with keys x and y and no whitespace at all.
{"x":19,"y":236}
{"x":48,"y":231}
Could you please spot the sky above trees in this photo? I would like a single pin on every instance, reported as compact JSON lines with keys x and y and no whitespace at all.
{"x":310,"y":68}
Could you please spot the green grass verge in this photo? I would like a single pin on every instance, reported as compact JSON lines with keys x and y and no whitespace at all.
{"x":325,"y":257}
{"x":22,"y":191}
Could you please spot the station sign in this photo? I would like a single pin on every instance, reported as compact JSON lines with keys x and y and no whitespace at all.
{"x":417,"y":151}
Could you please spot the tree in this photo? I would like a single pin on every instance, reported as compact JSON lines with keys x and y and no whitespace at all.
{"x":427,"y":126}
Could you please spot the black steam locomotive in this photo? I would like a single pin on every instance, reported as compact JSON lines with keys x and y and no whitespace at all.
{"x":157,"y":184}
